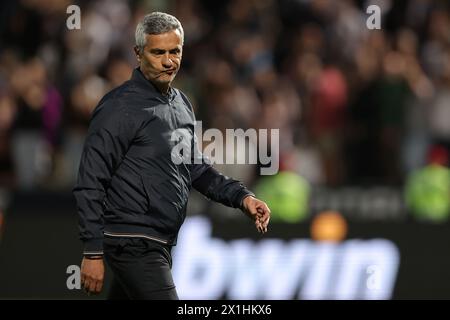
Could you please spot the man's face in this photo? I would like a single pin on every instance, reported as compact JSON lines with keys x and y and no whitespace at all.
{"x":161,"y":58}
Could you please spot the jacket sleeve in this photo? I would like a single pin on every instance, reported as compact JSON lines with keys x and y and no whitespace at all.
{"x":220,"y":188}
{"x":109,"y":136}
{"x":212,"y":184}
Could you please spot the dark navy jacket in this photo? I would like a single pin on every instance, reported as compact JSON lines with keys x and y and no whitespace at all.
{"x":128,"y":185}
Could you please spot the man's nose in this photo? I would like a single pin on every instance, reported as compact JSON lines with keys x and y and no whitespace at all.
{"x":166,"y":61}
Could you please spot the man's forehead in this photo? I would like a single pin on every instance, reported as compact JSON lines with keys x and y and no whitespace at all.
{"x":167,"y":40}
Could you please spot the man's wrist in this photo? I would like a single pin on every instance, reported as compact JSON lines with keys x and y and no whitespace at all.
{"x":245,"y":197}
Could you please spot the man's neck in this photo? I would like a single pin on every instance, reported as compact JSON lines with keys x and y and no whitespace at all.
{"x":163,"y":89}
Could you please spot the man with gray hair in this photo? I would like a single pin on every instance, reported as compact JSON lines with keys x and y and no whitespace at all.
{"x":131,"y":196}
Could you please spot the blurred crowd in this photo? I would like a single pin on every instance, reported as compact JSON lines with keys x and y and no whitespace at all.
{"x":354,"y":106}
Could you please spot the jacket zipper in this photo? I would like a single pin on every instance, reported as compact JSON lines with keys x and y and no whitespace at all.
{"x":174,"y":119}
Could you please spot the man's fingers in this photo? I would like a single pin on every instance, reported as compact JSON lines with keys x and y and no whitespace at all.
{"x":261,"y":222}
{"x":259,"y":227}
{"x":98,"y":287}
{"x":92,"y":287}
{"x":263,"y":215}
{"x":266,"y":224}
{"x":86,"y":285}
{"x":264,"y":220}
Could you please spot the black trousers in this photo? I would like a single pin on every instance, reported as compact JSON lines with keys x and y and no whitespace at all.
{"x":141,"y":268}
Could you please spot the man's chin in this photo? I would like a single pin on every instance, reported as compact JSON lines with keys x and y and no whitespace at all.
{"x":162,"y":84}
{"x":166,"y":80}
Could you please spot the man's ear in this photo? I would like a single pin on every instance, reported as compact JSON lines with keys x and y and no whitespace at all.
{"x":137,"y":52}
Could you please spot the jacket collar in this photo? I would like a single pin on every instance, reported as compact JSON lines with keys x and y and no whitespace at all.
{"x":138,"y":78}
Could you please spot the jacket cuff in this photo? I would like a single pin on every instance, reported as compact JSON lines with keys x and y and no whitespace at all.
{"x":239,"y":200}
{"x":93,"y":247}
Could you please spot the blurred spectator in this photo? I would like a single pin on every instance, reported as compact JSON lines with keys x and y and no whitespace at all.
{"x":327,"y":120}
{"x":353,"y":106}
{"x":35,"y":136}
{"x":439,"y":110}
{"x":7,"y":113}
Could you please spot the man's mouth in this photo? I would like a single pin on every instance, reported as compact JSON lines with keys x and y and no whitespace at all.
{"x":169,"y":72}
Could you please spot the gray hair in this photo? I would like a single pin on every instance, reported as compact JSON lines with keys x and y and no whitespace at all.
{"x":156,"y":23}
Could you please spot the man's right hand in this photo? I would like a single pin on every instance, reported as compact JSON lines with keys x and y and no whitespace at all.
{"x":92,"y":274}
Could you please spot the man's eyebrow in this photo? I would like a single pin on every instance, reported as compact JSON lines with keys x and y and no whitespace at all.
{"x":157,"y":50}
